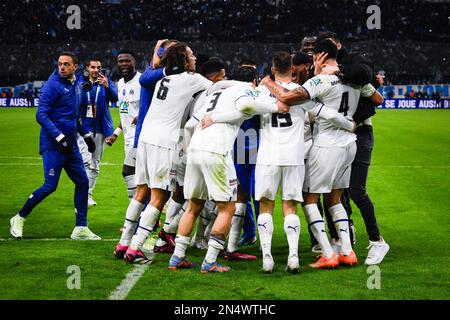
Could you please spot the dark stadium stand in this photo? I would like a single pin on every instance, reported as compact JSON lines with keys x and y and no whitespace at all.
{"x":411,"y":46}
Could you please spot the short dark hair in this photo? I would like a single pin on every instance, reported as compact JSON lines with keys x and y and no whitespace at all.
{"x":282,"y":61}
{"x":246,"y":74}
{"x":327,"y":46}
{"x":247,"y":62}
{"x":92,"y":58}
{"x":328,"y":35}
{"x":301,"y":57}
{"x":69,"y":54}
{"x":126,"y":51}
{"x":211,"y":66}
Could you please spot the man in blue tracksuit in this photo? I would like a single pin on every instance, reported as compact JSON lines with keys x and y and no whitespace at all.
{"x":98,"y":92}
{"x":58,"y":115}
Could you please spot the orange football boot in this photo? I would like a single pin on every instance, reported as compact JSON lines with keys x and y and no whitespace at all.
{"x":326,"y":263}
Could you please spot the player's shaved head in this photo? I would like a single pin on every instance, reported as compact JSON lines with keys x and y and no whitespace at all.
{"x":282,"y":62}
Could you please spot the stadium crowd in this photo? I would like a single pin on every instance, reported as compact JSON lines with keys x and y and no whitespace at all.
{"x":32,"y":31}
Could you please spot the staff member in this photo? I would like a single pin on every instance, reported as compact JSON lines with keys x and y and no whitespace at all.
{"x":58,"y":115}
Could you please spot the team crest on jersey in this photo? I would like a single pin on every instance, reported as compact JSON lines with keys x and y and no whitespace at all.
{"x":131,"y":92}
{"x":316,"y":81}
{"x":124,"y":92}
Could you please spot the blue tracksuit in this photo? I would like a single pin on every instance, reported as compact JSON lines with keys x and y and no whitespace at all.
{"x":244,"y":163}
{"x":102,"y":122}
{"x":58,"y":113}
{"x":147,"y":80}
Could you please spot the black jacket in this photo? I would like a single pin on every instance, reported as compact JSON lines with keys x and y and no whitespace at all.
{"x":357,"y":69}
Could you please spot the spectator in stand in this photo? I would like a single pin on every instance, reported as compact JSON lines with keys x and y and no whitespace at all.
{"x":10,"y":93}
{"x":418,"y":95}
{"x":3,"y":94}
{"x":425,"y":95}
{"x":412,"y":95}
{"x":29,"y":96}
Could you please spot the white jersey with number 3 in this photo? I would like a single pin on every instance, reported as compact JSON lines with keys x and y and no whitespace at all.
{"x":329,"y":90}
{"x":172,"y":94}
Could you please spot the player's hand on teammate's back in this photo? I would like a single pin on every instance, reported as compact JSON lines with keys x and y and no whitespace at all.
{"x":64,"y":146}
{"x":206,"y":121}
{"x":90,"y":142}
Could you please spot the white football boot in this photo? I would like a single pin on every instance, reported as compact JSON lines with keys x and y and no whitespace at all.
{"x":377,"y":251}
{"x":293,"y":264}
{"x":83,"y":233}
{"x":91,"y":201}
{"x":268,"y":264}
{"x":16,"y":223}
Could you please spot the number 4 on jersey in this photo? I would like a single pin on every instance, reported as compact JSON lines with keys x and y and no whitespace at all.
{"x":343,"y":108}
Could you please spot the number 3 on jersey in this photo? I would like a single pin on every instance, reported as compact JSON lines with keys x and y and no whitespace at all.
{"x":343,"y":108}
{"x":214,"y":101}
{"x":162,"y":91}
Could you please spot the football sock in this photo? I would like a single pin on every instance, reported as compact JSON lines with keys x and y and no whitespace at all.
{"x":292,"y":229}
{"x":215,"y":245}
{"x":148,"y":219}
{"x":172,"y":210}
{"x":131,"y":185}
{"x":131,"y":218}
{"x":181,"y":244}
{"x":173,"y":226}
{"x":236,"y":227}
{"x":340,"y":218}
{"x":265,"y":229}
{"x":317,"y":226}
{"x":211,"y":223}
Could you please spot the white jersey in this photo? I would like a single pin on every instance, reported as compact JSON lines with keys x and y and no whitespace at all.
{"x":172,"y":94}
{"x":129,"y":95}
{"x":282,"y":138}
{"x":329,"y":90}
{"x":220,"y":137}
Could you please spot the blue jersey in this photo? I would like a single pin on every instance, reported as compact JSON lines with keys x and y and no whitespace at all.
{"x":147,"y":81}
{"x":58,"y":111}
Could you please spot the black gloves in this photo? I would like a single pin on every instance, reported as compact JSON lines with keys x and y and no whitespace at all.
{"x":90,"y":142}
{"x":64,"y":147}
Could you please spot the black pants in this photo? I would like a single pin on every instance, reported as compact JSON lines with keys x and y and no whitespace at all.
{"x":358,"y":180}
{"x":357,"y":190}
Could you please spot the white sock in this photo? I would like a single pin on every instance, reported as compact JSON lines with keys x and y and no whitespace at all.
{"x":265,"y":230}
{"x":173,"y":226}
{"x":149,"y":217}
{"x":292,"y":229}
{"x":172,"y":210}
{"x":181,"y":244}
{"x":92,"y":176}
{"x":340,"y":219}
{"x":131,"y":218}
{"x":215,"y":245}
{"x":236,"y":226}
{"x":201,"y":225}
{"x":315,"y":222}
{"x":213,"y":215}
{"x":131,"y":185}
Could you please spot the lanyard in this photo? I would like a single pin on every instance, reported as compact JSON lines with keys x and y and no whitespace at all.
{"x":97,"y":91}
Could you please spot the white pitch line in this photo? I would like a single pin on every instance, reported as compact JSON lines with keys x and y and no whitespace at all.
{"x":132,"y":277}
{"x":55,"y":239}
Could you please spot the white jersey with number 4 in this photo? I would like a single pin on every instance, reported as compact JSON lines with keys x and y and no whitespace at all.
{"x":128,"y":93}
{"x":172,"y":94}
{"x":329,"y":90}
{"x":282,"y":140}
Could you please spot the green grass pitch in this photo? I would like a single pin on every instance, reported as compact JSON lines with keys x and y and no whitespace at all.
{"x":409,"y":183}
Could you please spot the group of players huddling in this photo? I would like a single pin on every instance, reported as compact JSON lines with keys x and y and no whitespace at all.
{"x":180,"y":128}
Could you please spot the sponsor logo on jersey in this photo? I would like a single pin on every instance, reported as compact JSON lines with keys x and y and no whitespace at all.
{"x":316,"y":81}
{"x":335,"y":82}
{"x":252,"y":93}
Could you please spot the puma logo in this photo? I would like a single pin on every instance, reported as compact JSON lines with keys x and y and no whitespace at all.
{"x":294,"y":228}
{"x":344,"y":230}
{"x":262,"y":225}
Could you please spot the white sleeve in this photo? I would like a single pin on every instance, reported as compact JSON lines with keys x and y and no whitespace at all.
{"x":248,"y":105}
{"x":337,"y":119}
{"x":189,"y":129}
{"x":199,"y":82}
{"x":368,"y":90}
{"x":220,"y":85}
{"x":316,"y":87}
{"x":228,"y":117}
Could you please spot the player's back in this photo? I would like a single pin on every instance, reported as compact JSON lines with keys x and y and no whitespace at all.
{"x":220,"y":137}
{"x":282,"y":134}
{"x":172,"y":94}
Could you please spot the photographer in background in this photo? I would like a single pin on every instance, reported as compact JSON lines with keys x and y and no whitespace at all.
{"x":98,"y":92}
